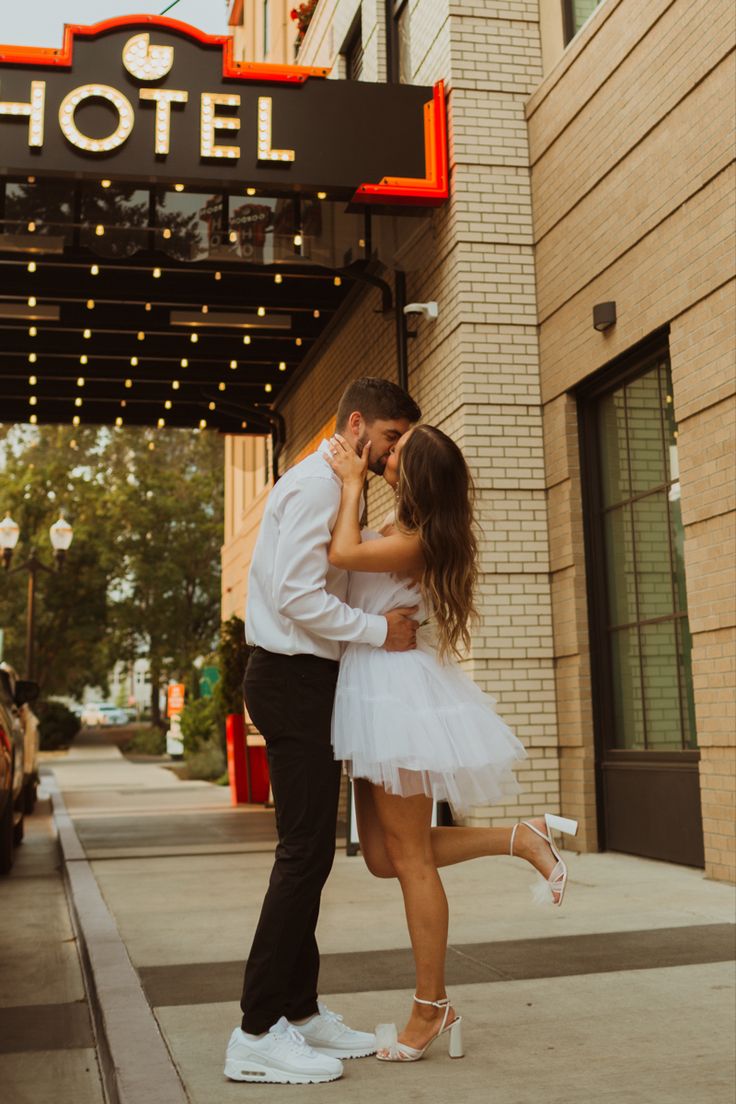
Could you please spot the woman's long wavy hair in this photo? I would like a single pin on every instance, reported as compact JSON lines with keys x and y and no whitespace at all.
{"x":435,"y":500}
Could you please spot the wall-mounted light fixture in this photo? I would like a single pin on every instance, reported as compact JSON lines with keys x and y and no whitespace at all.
{"x":604,"y":316}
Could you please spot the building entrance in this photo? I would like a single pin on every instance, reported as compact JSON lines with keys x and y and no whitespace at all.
{"x":647,"y":755}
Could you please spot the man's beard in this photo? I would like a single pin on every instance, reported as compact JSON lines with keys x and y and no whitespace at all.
{"x":377,"y":466}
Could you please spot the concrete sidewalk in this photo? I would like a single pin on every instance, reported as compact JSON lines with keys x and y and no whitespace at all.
{"x":626,"y":994}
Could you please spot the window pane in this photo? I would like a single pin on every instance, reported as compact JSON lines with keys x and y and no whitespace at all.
{"x":612,"y":437}
{"x":582,"y":10}
{"x":628,"y":709}
{"x":404,"y":45}
{"x":645,"y":432}
{"x":661,"y":690}
{"x":116,"y":210}
{"x":678,"y":546}
{"x":654,"y":573}
{"x":620,"y":567}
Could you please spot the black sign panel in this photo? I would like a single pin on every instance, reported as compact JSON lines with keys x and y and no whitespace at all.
{"x":152,"y":100}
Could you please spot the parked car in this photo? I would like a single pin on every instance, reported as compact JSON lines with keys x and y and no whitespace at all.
{"x":102,"y":713}
{"x":14,"y":695}
{"x":29,"y":722}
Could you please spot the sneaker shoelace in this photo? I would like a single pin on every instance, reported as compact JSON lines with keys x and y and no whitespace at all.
{"x":331,"y":1017}
{"x":288,"y":1034}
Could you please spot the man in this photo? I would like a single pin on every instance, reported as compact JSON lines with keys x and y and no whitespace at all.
{"x":296,"y":620}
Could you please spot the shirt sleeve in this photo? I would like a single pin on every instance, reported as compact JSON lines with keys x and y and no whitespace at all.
{"x":300,"y":570}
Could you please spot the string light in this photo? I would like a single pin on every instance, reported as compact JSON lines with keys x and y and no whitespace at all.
{"x":243,"y":425}
{"x":194,"y":338}
{"x":337,"y":281}
{"x":202,"y":423}
{"x":178,"y":187}
{"x":261,"y":312}
{"x":83,"y":359}
{"x":298,"y":341}
{"x":99,"y":230}
{"x":80,"y":381}
{"x":128,"y":383}
{"x":211,"y":406}
{"x":32,"y":331}
{"x":32,"y":358}
{"x":76,"y":420}
{"x":298,"y":240}
{"x":90,"y":304}
{"x":87,"y":334}
{"x":167,"y":404}
{"x":31,"y":227}
{"x":184,"y":362}
{"x":134,"y":362}
{"x":32,"y":381}
{"x":315,"y":314}
{"x":233,"y":236}
{"x":106,"y":183}
{"x":157,"y":274}
{"x":233,"y":364}
{"x":123,"y":404}
{"x":161,"y":423}
{"x":118,"y":421}
{"x":175,"y":385}
{"x":141,"y":335}
{"x":151,"y":446}
{"x":33,"y":419}
{"x":278,"y":278}
{"x":246,"y":339}
{"x":77,"y":402}
{"x":94,"y":270}
{"x":321,"y":195}
{"x":31,"y":300}
{"x":166,"y":233}
{"x":268,"y":388}
{"x":148,"y":306}
{"x":205,"y":309}
{"x":31,"y":266}
{"x":250,"y":191}
{"x":282,"y":366}
{"x":33,"y":400}
{"x":221,"y":386}
{"x":218,"y":275}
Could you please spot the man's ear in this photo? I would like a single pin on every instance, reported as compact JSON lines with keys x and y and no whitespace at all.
{"x":355,"y":425}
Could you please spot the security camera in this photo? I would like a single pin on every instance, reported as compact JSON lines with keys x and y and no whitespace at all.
{"x":427,"y":310}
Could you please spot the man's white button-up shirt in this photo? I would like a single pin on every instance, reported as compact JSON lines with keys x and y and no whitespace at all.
{"x":296,"y":599}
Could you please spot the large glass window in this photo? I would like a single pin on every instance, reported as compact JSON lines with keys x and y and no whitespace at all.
{"x":641,"y":538}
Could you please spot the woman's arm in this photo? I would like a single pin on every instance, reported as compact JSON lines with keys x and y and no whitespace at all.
{"x":400,"y":553}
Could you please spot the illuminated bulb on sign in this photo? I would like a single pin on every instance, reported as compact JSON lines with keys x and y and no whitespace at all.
{"x":83,"y":359}
{"x":31,"y":266}
{"x":90,"y":304}
{"x":32,"y":358}
{"x":282,"y":366}
{"x":161,"y":423}
{"x":70,"y":130}
{"x":32,"y":331}
{"x":33,"y":400}
{"x":202,"y":423}
{"x":321,"y":195}
{"x":315,"y":314}
{"x":77,"y":402}
{"x":221,"y":386}
{"x":184,"y":362}
{"x":194,"y":338}
{"x":233,"y":236}
{"x":106,"y":183}
{"x":261,"y":312}
{"x":32,"y":381}
{"x":233,"y":364}
{"x":167,"y":233}
{"x":167,"y":404}
{"x":278,"y":278}
{"x":297,"y":240}
{"x":128,"y":383}
{"x":134,"y":362}
{"x":94,"y":270}
{"x":87,"y":333}
{"x":99,"y":230}
{"x":31,"y":227}
{"x":141,"y":335}
{"x":33,"y":419}
{"x":250,"y":191}
{"x":211,"y":406}
{"x":31,"y":300}
{"x":298,"y":341}
{"x":118,"y":421}
{"x":337,"y":281}
{"x":80,"y":381}
{"x":76,"y":420}
{"x":175,"y":385}
{"x":205,"y":309}
{"x":157,"y":273}
{"x":268,"y":388}
{"x":218,"y":275}
{"x":243,"y":425}
{"x":178,"y":187}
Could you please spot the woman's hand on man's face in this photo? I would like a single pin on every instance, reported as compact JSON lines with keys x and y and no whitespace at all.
{"x":347,"y":464}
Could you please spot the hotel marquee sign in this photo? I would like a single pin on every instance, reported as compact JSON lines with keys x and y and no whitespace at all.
{"x":150,"y":99}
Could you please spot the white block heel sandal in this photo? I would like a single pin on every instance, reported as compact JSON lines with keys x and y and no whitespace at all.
{"x":389,"y":1049}
{"x":551,"y":890}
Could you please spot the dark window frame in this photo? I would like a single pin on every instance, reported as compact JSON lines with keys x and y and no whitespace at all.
{"x":352,"y":47}
{"x":394,"y":9}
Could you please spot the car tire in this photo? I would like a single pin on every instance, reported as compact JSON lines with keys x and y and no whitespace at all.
{"x":29,"y":795}
{"x":6,"y":837}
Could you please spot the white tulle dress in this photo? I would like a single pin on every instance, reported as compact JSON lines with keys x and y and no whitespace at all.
{"x":412,"y":724}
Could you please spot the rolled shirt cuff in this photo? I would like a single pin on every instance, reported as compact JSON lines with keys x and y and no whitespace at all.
{"x":376,"y":630}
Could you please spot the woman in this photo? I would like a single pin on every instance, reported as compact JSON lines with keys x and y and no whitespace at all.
{"x":412,"y":726}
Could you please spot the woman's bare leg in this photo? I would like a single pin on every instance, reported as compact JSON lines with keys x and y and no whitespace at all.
{"x":449,"y":845}
{"x":405,"y":822}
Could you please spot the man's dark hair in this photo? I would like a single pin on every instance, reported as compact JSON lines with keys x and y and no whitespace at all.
{"x":376,"y":398}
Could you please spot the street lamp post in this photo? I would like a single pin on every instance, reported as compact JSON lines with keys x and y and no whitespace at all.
{"x":61,"y":535}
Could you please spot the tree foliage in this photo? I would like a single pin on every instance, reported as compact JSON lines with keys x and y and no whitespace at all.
{"x":143,"y":574}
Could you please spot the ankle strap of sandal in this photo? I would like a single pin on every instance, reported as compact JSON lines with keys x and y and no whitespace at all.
{"x":443,"y":1003}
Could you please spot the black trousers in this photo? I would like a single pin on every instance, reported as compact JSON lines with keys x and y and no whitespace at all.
{"x":290,"y":700}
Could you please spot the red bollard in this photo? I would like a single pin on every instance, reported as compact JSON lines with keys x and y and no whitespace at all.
{"x":237,"y":765}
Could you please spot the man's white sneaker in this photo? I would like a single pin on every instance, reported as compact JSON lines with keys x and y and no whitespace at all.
{"x":281,"y":1057}
{"x":327,"y":1034}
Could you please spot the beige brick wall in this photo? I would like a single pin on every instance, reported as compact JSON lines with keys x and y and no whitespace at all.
{"x":631,"y":144}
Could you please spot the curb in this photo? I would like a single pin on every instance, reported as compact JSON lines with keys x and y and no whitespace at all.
{"x":135,"y":1063}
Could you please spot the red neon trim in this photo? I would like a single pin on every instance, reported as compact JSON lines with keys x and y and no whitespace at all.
{"x":240,"y":70}
{"x":236,"y":14}
{"x":433,"y":188}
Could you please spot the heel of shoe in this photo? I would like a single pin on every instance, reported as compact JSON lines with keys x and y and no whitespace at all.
{"x":455,"y":1048}
{"x":561,"y":824}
